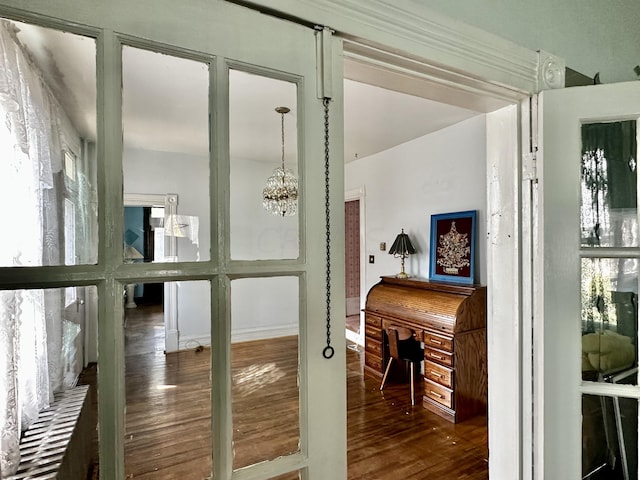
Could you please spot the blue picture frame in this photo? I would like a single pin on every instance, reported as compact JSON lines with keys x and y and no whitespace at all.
{"x":452,"y":255}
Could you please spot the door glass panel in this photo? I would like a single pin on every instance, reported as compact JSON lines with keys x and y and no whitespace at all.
{"x":261,"y":142}
{"x":165,"y":120}
{"x":609,"y":298}
{"x":48,"y":353}
{"x":609,"y":209}
{"x":609,"y":436}
{"x":265,"y":369}
{"x":609,"y":316}
{"x":47,"y":146}
{"x":167,"y":376}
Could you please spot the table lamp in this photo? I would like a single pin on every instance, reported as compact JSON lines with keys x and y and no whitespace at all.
{"x":402,"y":248}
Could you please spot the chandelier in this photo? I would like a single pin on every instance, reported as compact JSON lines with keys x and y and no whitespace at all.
{"x":280,"y":195}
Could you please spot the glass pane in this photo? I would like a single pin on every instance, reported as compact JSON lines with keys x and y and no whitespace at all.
{"x":47,"y":146}
{"x":167,"y":377}
{"x":609,"y":210}
{"x":165,"y":120}
{"x":263,"y":228}
{"x":609,"y":316}
{"x":48,"y":355}
{"x":610,"y":437}
{"x":265,"y":369}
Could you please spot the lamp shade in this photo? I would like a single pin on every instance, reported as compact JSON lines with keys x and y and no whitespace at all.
{"x":402,"y":246}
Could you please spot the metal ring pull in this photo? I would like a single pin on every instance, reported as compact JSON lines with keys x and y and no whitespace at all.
{"x":328,"y":352}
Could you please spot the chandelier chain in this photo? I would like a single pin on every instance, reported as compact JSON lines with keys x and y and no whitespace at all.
{"x":328,"y":350}
{"x":282,"y":137}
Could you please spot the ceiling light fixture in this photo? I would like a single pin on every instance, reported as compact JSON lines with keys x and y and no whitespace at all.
{"x":280,"y":196}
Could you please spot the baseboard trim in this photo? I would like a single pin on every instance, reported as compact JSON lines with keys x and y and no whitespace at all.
{"x":191,"y":342}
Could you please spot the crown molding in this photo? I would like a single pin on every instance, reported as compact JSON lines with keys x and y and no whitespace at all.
{"x":407,"y":28}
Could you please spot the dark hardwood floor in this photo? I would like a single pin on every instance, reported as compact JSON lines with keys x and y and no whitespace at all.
{"x":168,"y":416}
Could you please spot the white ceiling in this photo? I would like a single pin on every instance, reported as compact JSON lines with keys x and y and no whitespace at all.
{"x":165,"y":103}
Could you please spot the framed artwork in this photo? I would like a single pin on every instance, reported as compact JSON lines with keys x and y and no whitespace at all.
{"x":453,"y":241}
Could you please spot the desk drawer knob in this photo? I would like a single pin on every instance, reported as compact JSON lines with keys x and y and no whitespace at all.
{"x":436,"y":374}
{"x":436,"y":394}
{"x":439,"y":357}
{"x":437,"y":342}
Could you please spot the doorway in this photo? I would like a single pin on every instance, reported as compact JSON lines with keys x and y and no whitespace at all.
{"x":499,"y":147}
{"x":144,"y":216}
{"x":144,"y":242}
{"x":354,"y":266}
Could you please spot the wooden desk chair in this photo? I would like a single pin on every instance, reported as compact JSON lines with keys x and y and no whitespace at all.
{"x":403,"y":347}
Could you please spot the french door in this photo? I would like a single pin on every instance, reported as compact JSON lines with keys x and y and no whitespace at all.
{"x":588,"y":248}
{"x":241,"y":274}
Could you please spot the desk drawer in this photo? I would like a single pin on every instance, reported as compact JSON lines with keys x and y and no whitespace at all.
{"x":372,"y":332}
{"x":438,"y":373}
{"x":438,"y":341}
{"x":438,"y":393}
{"x":372,"y":320}
{"x":373,"y":346}
{"x":438,"y":356}
{"x":372,"y":327}
{"x":373,"y":361}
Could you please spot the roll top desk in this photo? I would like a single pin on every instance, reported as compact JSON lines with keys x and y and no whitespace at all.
{"x":451,"y":321}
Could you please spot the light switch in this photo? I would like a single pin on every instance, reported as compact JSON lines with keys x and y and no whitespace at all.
{"x":383,"y":246}
{"x":372,"y":259}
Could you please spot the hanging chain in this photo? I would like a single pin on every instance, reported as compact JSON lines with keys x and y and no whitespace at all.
{"x":282,"y":112}
{"x":328,"y":350}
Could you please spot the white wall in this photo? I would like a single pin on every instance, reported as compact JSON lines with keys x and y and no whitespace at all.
{"x":591,"y":36}
{"x":264,"y":308}
{"x":255,"y":234}
{"x":439,"y":173}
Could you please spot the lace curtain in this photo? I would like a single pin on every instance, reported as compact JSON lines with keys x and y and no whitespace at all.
{"x":609,"y":179}
{"x":30,"y":320}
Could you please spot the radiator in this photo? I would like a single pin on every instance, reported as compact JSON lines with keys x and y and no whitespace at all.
{"x":58,"y":444}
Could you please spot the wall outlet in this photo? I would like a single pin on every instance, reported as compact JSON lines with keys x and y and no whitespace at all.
{"x":383,"y":246}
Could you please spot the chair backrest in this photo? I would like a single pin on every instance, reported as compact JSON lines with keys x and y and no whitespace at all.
{"x":392,"y":333}
{"x":395,"y":335}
